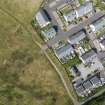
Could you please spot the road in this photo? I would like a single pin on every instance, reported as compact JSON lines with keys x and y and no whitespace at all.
{"x":64,"y":35}
{"x":44,"y":52}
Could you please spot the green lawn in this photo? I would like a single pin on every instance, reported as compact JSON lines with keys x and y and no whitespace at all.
{"x":81,"y":2}
{"x":71,"y":62}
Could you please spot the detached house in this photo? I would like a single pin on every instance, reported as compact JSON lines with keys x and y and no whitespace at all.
{"x":76,"y":38}
{"x":65,"y":52}
{"x":42,"y":18}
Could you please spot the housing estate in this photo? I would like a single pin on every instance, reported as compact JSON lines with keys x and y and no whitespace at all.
{"x":73,"y":46}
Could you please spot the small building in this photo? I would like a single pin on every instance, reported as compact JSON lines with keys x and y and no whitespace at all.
{"x":88,"y":86}
{"x":49,"y":34}
{"x":102,"y":44}
{"x":42,"y":18}
{"x":88,"y":57}
{"x":98,"y":25}
{"x":65,"y":52}
{"x":95,"y":80}
{"x":70,"y":16}
{"x":76,"y":38}
{"x":84,"y":9}
{"x":74,"y":71}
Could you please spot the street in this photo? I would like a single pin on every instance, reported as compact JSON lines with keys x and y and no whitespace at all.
{"x":64,"y":35}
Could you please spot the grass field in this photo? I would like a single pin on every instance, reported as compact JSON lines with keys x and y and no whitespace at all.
{"x":26,"y":77}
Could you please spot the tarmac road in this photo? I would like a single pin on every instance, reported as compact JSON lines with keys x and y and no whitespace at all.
{"x":64,"y":35}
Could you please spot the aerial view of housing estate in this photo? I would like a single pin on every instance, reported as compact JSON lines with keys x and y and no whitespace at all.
{"x":75,"y":32}
{"x":52,"y":52}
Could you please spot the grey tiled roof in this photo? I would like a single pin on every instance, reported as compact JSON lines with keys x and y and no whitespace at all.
{"x":99,"y":24}
{"x":49,"y":33}
{"x":84,"y":9}
{"x":80,"y":11}
{"x":77,"y":37}
{"x":88,"y":56}
{"x":95,"y":80}
{"x":80,"y":89}
{"x":64,"y":50}
{"x":42,"y":18}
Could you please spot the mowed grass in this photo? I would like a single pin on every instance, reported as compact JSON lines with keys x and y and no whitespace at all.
{"x":26,"y":76}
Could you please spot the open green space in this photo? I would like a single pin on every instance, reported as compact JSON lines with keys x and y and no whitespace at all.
{"x":26,"y":76}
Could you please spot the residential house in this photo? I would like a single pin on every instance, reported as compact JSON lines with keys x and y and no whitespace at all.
{"x":88,"y":57}
{"x":65,"y":52}
{"x":84,"y":9}
{"x":98,"y":25}
{"x":76,"y":38}
{"x":42,"y":18}
{"x":49,"y":34}
{"x":95,"y":80}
